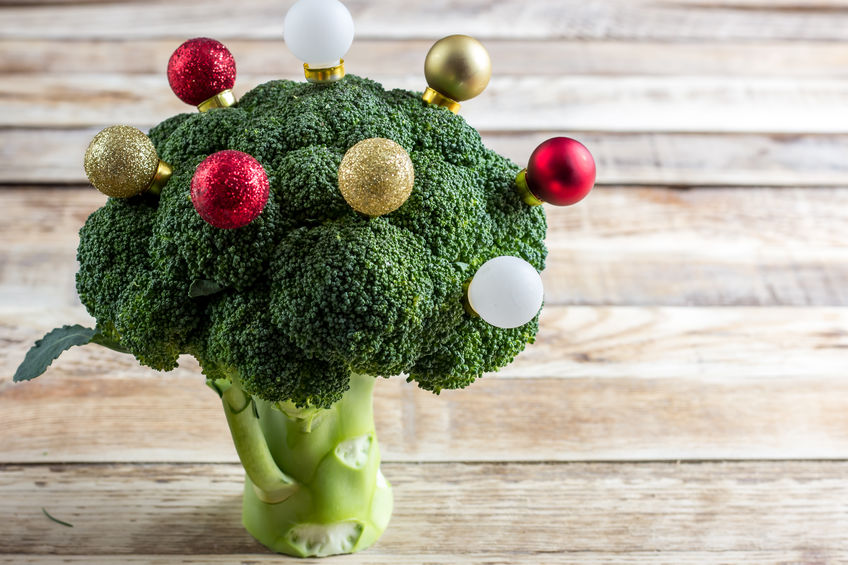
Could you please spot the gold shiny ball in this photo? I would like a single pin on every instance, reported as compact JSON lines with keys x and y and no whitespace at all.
{"x":376,"y":176}
{"x":458,"y":66}
{"x":121,"y":161}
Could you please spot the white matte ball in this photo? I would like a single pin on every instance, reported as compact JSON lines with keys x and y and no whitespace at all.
{"x":506,"y":292}
{"x":319,"y":32}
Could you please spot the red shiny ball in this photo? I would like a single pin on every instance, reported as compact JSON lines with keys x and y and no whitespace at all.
{"x":561,"y":171}
{"x":199,"y":69}
{"x":229,"y":189}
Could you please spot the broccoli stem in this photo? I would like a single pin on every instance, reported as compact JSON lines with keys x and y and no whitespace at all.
{"x":270,"y":483}
{"x":338,"y":500}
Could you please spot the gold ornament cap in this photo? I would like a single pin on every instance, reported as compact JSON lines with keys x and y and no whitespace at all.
{"x":524,"y":189}
{"x":223,"y":99}
{"x":121,"y":162}
{"x":376,"y":176}
{"x":327,"y":74}
{"x":458,"y":68}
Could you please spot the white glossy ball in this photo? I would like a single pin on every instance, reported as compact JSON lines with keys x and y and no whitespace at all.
{"x":319,"y":32}
{"x":506,"y":292}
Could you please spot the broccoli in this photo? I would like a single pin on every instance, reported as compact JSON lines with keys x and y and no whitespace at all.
{"x":294,"y":315}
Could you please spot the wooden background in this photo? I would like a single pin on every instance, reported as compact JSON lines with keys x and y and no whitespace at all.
{"x":686,"y":401}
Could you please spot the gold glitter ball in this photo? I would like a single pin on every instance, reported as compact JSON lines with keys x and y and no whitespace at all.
{"x":121,"y":162}
{"x":376,"y":176}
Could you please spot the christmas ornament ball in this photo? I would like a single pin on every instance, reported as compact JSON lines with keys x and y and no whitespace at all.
{"x":561,"y":171}
{"x":458,"y":66}
{"x":506,"y":292}
{"x":318,"y":32}
{"x":229,"y":189}
{"x":376,"y":176}
{"x":121,"y":161}
{"x":199,"y":69}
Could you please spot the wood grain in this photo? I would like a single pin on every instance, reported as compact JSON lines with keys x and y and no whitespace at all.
{"x":464,"y":510}
{"x":693,"y":314}
{"x":607,"y":384}
{"x":670,"y":21}
{"x":588,"y":103}
{"x":48,"y":156}
{"x":694,"y":557}
{"x":799,"y":59}
{"x":620,"y":246}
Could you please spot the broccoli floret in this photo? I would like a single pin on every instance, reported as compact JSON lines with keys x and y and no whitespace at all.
{"x":312,"y":291}
{"x":242,"y":337}
{"x":357,"y":293}
{"x":183,"y":242}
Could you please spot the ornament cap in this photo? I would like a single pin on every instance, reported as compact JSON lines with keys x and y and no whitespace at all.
{"x":160,"y":178}
{"x":466,"y":304}
{"x":223,"y":99}
{"x":524,"y":190}
{"x":326,"y":74}
{"x":432,"y":97}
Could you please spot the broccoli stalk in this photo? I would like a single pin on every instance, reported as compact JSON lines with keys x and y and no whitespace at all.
{"x":293,"y":316}
{"x":334,"y":497}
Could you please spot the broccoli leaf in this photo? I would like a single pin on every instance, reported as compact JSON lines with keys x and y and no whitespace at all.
{"x":203,"y":287}
{"x":48,"y":348}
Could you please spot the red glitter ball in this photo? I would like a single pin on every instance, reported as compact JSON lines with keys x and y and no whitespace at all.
{"x":561,"y":171}
{"x":229,"y":189}
{"x":199,"y":69}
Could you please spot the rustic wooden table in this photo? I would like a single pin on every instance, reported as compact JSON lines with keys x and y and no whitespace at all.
{"x":687,"y":399}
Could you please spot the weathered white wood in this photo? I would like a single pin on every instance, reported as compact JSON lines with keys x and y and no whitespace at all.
{"x":642,"y":246}
{"x":599,"y":384}
{"x":55,"y":156}
{"x":588,"y":103}
{"x":673,"y":20}
{"x":449,"y":509}
{"x":371,"y":557}
{"x":719,"y":345}
{"x":517,"y":57}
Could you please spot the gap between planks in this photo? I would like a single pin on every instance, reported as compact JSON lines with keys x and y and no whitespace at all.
{"x":493,"y":557}
{"x":468,"y":509}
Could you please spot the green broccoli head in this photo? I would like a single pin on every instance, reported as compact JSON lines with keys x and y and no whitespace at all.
{"x":311,"y":290}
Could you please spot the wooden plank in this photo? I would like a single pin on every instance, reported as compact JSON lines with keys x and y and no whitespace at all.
{"x":544,"y":511}
{"x":588,"y":103}
{"x":608,"y":384}
{"x":509,"y":57}
{"x":674,"y":20}
{"x":656,"y":159}
{"x":713,"y":344}
{"x":621,"y":246}
{"x":370,"y":557}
